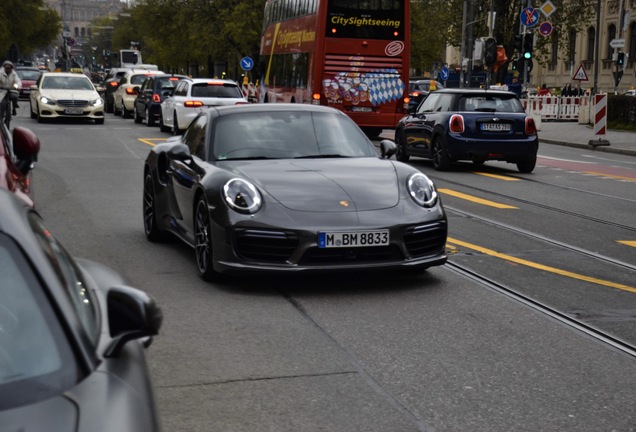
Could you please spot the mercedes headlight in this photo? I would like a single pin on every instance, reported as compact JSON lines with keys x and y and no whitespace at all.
{"x":97,"y":102}
{"x":242,"y":196}
{"x":46,"y":100}
{"x":422,"y":190}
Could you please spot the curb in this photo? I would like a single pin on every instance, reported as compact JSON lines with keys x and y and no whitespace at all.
{"x":604,"y":149}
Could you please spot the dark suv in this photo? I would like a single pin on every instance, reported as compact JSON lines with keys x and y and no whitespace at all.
{"x":153,"y":91}
{"x":111,"y":82}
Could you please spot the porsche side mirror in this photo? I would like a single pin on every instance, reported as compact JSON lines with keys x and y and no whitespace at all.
{"x":180,"y":152}
{"x":132,"y":314}
{"x":387,"y":148}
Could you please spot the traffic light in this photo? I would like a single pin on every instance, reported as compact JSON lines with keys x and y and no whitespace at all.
{"x":620,"y":60}
{"x":528,"y":44}
{"x":490,"y":51}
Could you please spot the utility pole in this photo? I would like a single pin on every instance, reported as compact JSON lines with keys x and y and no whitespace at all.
{"x":597,"y":32}
{"x":619,"y":67}
{"x":462,"y":54}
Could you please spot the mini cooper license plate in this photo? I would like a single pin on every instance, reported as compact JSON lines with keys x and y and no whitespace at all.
{"x":495,"y":127}
{"x":72,"y":111}
{"x":353,"y":239}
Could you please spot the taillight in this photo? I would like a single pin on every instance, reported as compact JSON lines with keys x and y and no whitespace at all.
{"x":531,"y":127}
{"x":131,"y":91}
{"x":456,"y":123}
{"x":241,"y":103}
{"x":315,"y":99}
{"x":193,"y":104}
{"x":156,"y":98}
{"x":113,"y":84}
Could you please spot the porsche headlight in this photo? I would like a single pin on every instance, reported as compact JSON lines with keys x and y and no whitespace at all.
{"x":242,"y":196}
{"x":97,"y":102}
{"x":422,"y":190}
{"x":46,"y":100}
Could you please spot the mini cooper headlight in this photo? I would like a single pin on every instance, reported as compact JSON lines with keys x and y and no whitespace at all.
{"x":47,"y":100}
{"x":422,"y":190}
{"x":242,"y":196}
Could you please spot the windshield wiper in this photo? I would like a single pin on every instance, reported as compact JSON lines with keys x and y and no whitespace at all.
{"x":245,"y":158}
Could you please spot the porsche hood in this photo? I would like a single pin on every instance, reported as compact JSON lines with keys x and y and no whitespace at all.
{"x":320,"y":185}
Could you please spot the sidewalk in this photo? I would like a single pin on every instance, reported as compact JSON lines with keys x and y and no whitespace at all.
{"x":572,"y":134}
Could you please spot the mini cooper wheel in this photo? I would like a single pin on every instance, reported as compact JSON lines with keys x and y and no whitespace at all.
{"x":136,"y":115}
{"x":150,"y":120}
{"x":527,"y":166}
{"x":401,"y":154}
{"x":441,"y":160}
{"x":203,"y":242}
{"x":150,"y":213}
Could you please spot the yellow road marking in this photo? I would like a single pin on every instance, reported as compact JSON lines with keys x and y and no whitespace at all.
{"x":150,"y":142}
{"x":496,"y":176}
{"x":542,"y":267}
{"x":631,"y":243}
{"x":475,"y":199}
{"x":610,"y":176}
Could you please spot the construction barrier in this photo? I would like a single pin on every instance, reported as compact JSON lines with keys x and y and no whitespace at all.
{"x":564,"y":108}
{"x":600,"y":113}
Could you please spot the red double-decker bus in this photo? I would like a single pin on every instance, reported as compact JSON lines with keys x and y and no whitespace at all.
{"x":349,"y":54}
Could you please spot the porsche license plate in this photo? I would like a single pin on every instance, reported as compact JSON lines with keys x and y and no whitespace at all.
{"x":73,"y":111}
{"x":353,"y":239}
{"x":495,"y":127}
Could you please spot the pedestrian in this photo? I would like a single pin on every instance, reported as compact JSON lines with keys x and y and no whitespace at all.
{"x":9,"y":80}
{"x":515,"y":87}
{"x":577,"y":91}
{"x":567,"y":90}
{"x":544,"y":91}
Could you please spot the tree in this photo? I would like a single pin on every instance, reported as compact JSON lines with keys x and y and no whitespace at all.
{"x":27,"y":25}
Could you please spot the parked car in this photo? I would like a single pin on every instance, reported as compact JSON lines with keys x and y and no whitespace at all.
{"x":18,"y":153}
{"x":193,"y":95}
{"x":154,"y":90}
{"x":469,"y":124}
{"x":72,"y":336}
{"x":70,"y":95}
{"x":110,"y":84}
{"x":419,"y":89}
{"x":28,"y":75}
{"x":290,"y":188}
{"x":127,"y":90}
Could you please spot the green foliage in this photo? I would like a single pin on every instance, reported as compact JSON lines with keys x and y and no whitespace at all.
{"x":27,"y":24}
{"x":621,"y":112}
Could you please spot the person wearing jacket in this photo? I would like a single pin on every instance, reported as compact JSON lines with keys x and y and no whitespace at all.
{"x":9,"y":80}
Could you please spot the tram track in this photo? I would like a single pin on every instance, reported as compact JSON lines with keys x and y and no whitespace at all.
{"x":564,"y":318}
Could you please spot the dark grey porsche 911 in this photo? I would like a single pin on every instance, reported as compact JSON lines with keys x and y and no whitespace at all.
{"x":288,"y":188}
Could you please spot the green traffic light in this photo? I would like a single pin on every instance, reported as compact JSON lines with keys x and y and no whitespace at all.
{"x":527,"y":55}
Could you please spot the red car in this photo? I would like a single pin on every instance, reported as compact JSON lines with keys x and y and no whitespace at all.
{"x":28,"y":75}
{"x":18,"y":151}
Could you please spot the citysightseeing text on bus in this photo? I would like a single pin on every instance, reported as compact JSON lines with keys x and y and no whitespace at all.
{"x":358,"y":22}
{"x":286,"y":38}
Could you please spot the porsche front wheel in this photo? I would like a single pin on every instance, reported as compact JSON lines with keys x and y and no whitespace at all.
{"x":150,"y":211}
{"x":203,"y":242}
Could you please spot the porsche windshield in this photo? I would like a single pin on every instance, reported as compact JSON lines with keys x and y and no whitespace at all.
{"x":288,"y":135}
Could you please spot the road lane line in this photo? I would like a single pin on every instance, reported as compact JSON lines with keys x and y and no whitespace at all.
{"x":611,"y":176}
{"x":475,"y":199}
{"x":631,"y":243}
{"x":496,"y":176}
{"x":149,"y":141}
{"x":542,"y":267}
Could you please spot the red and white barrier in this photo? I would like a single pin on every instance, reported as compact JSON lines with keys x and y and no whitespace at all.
{"x":554,"y":107}
{"x":600,"y":114}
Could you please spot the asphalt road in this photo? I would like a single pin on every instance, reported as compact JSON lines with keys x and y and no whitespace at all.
{"x":442,"y":351}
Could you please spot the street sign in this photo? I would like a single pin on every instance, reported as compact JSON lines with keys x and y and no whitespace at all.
{"x":529,"y":17}
{"x":580,"y":74}
{"x":545,"y":29}
{"x":548,"y":8}
{"x":247,"y":63}
{"x":443,"y":74}
{"x":617,"y":43}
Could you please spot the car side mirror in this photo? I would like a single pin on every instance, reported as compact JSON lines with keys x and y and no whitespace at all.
{"x":180,"y":152}
{"x":132,"y":314}
{"x":136,"y":89}
{"x":387,"y":148}
{"x":26,"y":147}
{"x":166,"y":93}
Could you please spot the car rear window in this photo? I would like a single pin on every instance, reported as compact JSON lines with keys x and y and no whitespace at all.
{"x":167,"y":82}
{"x":225,"y":90}
{"x":138,"y":79}
{"x":490,"y":103}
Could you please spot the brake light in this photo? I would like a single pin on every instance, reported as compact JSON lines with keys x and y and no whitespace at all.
{"x":156,"y":98}
{"x":131,"y":91}
{"x":416,"y":94}
{"x":241,"y":103}
{"x":113,"y":84}
{"x":212,"y":83}
{"x":173,"y":79}
{"x":315,"y":99}
{"x":456,"y":123}
{"x":193,"y":104}
{"x":531,"y":127}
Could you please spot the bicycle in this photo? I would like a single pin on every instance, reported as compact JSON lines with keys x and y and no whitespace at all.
{"x":6,"y":106}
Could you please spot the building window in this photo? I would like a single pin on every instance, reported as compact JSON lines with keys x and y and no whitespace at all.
{"x":611,"y":35}
{"x":76,"y":32}
{"x":590,"y":44}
